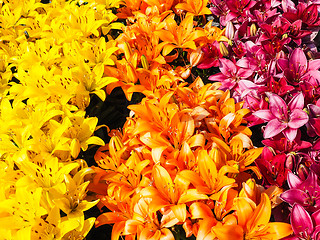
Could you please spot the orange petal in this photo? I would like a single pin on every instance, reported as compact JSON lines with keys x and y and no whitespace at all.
{"x":163,"y":182}
{"x":261,"y":214}
{"x":244,"y":209}
{"x":180,"y":211}
{"x":200,"y":210}
{"x":279,"y":229}
{"x":234,"y":232}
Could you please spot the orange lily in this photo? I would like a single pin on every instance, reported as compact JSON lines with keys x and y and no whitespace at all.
{"x":208,"y":179}
{"x":182,"y":36}
{"x":170,"y":194}
{"x":196,"y":8}
{"x":254,"y":220}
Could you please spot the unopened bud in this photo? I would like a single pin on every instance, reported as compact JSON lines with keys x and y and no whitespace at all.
{"x":196,"y":57}
{"x":184,"y":72}
{"x":253,"y":29}
{"x":223,"y":49}
{"x":144,"y":62}
{"x":127,"y":50}
{"x":229,"y":30}
{"x":302,"y":172}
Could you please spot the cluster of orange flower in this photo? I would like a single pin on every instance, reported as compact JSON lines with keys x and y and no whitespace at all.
{"x":184,"y":156}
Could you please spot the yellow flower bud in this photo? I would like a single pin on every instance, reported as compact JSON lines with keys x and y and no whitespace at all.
{"x":223,"y":49}
{"x":144,"y":62}
{"x":253,"y":29}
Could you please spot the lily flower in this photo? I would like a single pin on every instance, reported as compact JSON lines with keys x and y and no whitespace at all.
{"x":304,"y":226}
{"x":253,"y":221}
{"x":305,"y":193}
{"x":230,"y":74}
{"x":297,"y":68}
{"x":272,"y":167}
{"x":282,"y":117}
{"x":211,"y":56}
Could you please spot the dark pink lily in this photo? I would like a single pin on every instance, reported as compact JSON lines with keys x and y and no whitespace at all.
{"x":282,"y":117}
{"x":306,"y":193}
{"x":282,"y":145}
{"x":308,"y":13}
{"x":297,"y":68}
{"x":272,"y":167}
{"x":211,"y":56}
{"x":304,"y":226}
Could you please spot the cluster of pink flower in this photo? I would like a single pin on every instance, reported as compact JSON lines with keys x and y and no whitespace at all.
{"x":271,"y":62}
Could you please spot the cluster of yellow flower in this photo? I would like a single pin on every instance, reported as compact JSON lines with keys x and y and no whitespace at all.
{"x":52,"y":58}
{"x":184,"y":156}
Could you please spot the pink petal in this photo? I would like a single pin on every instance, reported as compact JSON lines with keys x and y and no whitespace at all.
{"x":301,"y":220}
{"x":298,"y":61}
{"x":243,"y":63}
{"x":244,"y":73}
{"x":227,"y":67}
{"x":219,"y":77}
{"x":264,"y":114}
{"x":273,"y":128}
{"x":315,"y":125}
{"x":316,"y":217}
{"x":283,"y":63}
{"x":293,"y":180}
{"x":311,"y":183}
{"x":292,"y":196}
{"x":314,"y":110}
{"x":278,"y":106}
{"x":314,"y":64}
{"x":297,"y":102}
{"x":298,"y":118}
{"x":208,"y":63}
{"x":290,"y":134}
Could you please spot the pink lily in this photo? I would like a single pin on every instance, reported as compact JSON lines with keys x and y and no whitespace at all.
{"x":306,"y":193}
{"x":282,"y":117}
{"x":297,"y":68}
{"x":303,"y":225}
{"x":230,"y":74}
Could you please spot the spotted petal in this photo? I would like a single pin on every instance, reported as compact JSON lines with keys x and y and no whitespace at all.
{"x":273,"y":128}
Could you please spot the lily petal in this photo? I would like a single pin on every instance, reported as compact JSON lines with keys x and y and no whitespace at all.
{"x":264,"y":114}
{"x":301,"y":220}
{"x":278,"y":106}
{"x":297,"y":102}
{"x":298,"y":118}
{"x":292,"y":196}
{"x":273,"y":128}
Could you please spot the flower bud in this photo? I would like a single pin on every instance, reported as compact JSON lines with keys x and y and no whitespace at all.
{"x":223,"y":49}
{"x":229,"y":30}
{"x":127,"y":50}
{"x":290,"y":162}
{"x":196,"y":57}
{"x":144,"y":62}
{"x":253,"y":29}
{"x":302,"y":172}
